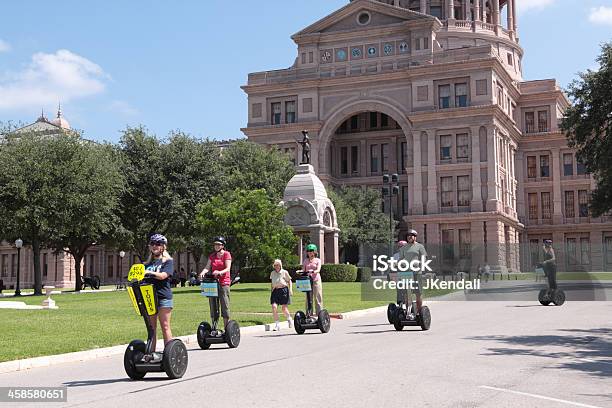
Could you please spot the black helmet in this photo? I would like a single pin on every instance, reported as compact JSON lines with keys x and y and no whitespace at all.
{"x":219,"y":240}
{"x":158,"y":239}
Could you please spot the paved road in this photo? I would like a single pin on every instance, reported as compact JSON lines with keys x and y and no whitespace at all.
{"x":477,"y":354}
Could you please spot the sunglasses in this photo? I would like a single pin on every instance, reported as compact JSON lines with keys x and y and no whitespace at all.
{"x":156,"y":243}
{"x":412,"y":235}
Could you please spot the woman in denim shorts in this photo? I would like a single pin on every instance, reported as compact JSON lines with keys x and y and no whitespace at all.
{"x":160,"y":268}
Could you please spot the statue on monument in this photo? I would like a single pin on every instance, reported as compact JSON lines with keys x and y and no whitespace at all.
{"x":305,"y":148}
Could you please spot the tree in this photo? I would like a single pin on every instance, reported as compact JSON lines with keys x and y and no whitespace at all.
{"x":166,"y":180}
{"x":359,"y":218}
{"x":252,"y":224}
{"x":247,"y":165}
{"x":57,"y":191}
{"x":588,"y":126}
{"x":93,"y":183}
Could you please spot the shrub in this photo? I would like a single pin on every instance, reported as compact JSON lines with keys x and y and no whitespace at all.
{"x":338,"y":273}
{"x":364,"y":273}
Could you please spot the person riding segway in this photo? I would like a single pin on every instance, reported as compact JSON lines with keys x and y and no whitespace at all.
{"x":309,"y":282}
{"x":408,"y":312}
{"x":549,"y":265}
{"x":149,"y":289}
{"x":216,"y":282}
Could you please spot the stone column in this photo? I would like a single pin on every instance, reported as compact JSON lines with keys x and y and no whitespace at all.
{"x":363,"y":157}
{"x":424,"y":6}
{"x":477,"y":16}
{"x":394,"y":165}
{"x":477,"y":243}
{"x":432,"y":182}
{"x":559,"y":247}
{"x":476,"y":204}
{"x":597,"y":252}
{"x":417,"y":193}
{"x":510,"y":12}
{"x":496,"y":19}
{"x":556,"y":177}
{"x":515,"y":23}
{"x":466,"y":9}
{"x":495,"y":247}
{"x":484,"y":11}
{"x":451,"y":9}
{"x":317,"y":237}
{"x":492,"y":196}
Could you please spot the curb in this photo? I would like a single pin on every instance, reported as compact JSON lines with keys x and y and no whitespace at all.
{"x":86,"y":355}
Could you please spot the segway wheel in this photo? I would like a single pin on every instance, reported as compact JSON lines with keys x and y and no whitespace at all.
{"x":543,"y":297}
{"x":133,"y":353}
{"x":391,"y":312}
{"x":204,"y":330}
{"x":323,"y":321}
{"x":96,"y":282}
{"x":400,"y":315}
{"x":298,"y":319}
{"x":558,"y":297}
{"x":232,"y":334}
{"x":424,"y":318}
{"x":175,"y":359}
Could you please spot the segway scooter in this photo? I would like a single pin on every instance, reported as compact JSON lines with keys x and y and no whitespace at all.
{"x":139,"y":359}
{"x":549,"y":295}
{"x":405,"y":313}
{"x":207,"y":334}
{"x":306,"y":321}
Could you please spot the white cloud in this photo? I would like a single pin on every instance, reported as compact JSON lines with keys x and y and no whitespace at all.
{"x":526,"y":5}
{"x":49,"y":78}
{"x":601,"y":15}
{"x":4,"y":46}
{"x":123,"y":108}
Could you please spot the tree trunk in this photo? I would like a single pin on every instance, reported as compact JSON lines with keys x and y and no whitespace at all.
{"x":197,"y":255}
{"x":77,"y":270}
{"x":37,"y":271}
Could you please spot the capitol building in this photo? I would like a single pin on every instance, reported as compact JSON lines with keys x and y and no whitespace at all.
{"x":433,"y":90}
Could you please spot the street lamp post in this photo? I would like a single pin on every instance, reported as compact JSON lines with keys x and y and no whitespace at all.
{"x":18,"y":245}
{"x":121,"y":255}
{"x":390,"y":189}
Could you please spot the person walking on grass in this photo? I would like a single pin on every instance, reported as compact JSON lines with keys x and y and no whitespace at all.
{"x":282,"y":290}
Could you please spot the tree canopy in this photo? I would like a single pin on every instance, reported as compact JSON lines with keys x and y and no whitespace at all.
{"x":588,"y":125}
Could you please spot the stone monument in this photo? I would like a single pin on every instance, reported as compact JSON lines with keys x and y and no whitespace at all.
{"x":311,"y":213}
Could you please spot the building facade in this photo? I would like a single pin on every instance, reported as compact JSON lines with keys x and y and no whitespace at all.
{"x":433,"y":90}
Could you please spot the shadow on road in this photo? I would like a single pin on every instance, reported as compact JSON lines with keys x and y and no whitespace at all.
{"x":370,"y":325}
{"x":586,"y":350}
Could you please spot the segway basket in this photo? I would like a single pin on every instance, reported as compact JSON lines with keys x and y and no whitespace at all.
{"x":209,"y":288}
{"x":303,"y":285}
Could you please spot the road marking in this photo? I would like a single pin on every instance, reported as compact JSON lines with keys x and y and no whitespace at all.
{"x":576,"y":404}
{"x":588,"y":360}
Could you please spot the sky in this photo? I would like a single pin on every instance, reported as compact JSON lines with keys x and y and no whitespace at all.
{"x":179,"y":65}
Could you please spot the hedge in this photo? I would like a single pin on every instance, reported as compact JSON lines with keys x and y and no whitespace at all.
{"x":329,"y":273}
{"x":338,"y":273}
{"x":261,"y":274}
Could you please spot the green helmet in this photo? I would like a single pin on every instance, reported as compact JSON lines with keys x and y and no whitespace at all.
{"x":311,"y":247}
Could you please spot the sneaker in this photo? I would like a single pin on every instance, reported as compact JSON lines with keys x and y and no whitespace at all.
{"x":290,"y":323}
{"x":276,"y":327}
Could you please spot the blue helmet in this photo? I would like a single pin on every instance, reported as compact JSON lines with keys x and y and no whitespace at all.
{"x":158,"y":239}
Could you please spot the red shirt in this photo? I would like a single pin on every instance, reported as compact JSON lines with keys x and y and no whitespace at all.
{"x":218,"y":264}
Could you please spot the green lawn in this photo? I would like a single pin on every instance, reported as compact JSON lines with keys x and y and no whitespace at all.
{"x":92,"y":320}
